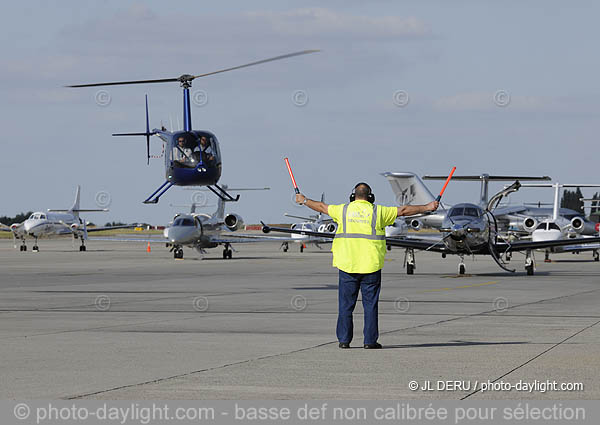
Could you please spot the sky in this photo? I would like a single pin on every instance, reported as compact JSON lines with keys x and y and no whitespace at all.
{"x":489,"y":87}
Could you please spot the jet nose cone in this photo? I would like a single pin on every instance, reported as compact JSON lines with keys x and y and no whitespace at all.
{"x":177,"y":235}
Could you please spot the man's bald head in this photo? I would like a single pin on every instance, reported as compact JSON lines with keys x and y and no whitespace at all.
{"x":362,"y":191}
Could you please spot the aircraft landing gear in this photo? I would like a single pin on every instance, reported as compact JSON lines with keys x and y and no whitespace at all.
{"x":409,"y":259}
{"x":227,"y":252}
{"x":23,"y":247}
{"x":301,"y":247}
{"x":596,"y":255}
{"x":177,"y":252}
{"x":508,"y":256}
{"x":547,"y":257}
{"x":529,"y":263}
{"x":462,"y":269}
{"x":285,"y":246}
{"x":82,"y":247}
{"x":35,"y":248}
{"x":389,"y":247}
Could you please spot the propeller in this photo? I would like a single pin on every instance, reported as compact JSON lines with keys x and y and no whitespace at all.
{"x":492,"y":248}
{"x":147,"y":134}
{"x":186,"y":79}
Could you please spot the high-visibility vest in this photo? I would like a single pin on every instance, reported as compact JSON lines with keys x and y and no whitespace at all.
{"x":359,"y":243}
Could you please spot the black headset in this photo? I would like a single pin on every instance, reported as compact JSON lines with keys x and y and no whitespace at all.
{"x":370,"y":196}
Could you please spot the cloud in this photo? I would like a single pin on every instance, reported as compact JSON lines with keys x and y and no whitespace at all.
{"x":320,"y":22}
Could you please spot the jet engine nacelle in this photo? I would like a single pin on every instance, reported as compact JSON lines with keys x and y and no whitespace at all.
{"x":416,"y":224}
{"x":14,"y":227}
{"x":74,"y":227}
{"x":234,"y":222}
{"x":529,"y":224}
{"x":328,"y":228}
{"x":577,"y":224}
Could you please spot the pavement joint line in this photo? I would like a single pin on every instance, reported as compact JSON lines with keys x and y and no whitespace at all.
{"x":182,"y":375}
{"x":536,"y":356}
{"x":475,"y":285}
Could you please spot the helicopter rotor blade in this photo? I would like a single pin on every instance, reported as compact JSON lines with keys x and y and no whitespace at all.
{"x":119,"y":83}
{"x":187,"y":78}
{"x":289,"y":55}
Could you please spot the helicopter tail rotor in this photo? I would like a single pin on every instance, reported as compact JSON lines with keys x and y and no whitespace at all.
{"x":147,"y":133}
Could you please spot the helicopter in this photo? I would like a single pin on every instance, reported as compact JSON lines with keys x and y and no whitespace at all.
{"x":192,"y":157}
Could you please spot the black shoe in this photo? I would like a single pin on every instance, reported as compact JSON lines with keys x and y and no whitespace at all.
{"x":344,"y":345}
{"x":373,"y":346}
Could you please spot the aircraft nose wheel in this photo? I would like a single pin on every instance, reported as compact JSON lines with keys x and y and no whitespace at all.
{"x":410,"y":261}
{"x":178,"y":253}
{"x":82,"y":248}
{"x":227,"y":254}
{"x":529,"y":263}
{"x":35,"y":248}
{"x":596,"y":256}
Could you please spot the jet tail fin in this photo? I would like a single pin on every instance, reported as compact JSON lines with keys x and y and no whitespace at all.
{"x":76,"y":209}
{"x":409,"y":188}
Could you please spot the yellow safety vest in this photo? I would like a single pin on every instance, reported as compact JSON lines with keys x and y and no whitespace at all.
{"x":359,"y":243}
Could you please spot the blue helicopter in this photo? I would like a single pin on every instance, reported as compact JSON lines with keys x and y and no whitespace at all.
{"x":192,"y":157}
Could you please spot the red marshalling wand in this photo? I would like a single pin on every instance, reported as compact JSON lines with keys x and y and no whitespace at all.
{"x":445,"y":184}
{"x":287,"y":162}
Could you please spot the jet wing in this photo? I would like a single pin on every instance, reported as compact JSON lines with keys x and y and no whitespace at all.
{"x":402,"y":242}
{"x":126,"y":239}
{"x":524,"y":245}
{"x":100,"y":229}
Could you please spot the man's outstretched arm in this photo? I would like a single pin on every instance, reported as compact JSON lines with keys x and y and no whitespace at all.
{"x":321,"y":207}
{"x":417,"y":209}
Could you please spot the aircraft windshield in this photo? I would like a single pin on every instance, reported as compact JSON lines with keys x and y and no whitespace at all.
{"x":541,"y":226}
{"x":191,"y":147}
{"x":466,"y":211}
{"x":37,"y":216}
{"x":554,"y":226}
{"x":183,"y":221}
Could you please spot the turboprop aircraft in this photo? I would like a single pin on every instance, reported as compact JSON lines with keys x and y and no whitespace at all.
{"x":56,"y":222}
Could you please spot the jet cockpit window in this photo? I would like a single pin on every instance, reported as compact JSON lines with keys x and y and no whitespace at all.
{"x":42,"y":216}
{"x":553,"y":226}
{"x":37,"y":216}
{"x":183,"y":221}
{"x":186,"y":151}
{"x":541,"y":226}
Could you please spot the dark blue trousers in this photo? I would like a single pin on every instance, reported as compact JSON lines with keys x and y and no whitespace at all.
{"x":370,"y":286}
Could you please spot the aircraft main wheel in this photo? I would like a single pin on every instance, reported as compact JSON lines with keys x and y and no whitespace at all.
{"x":301,"y":248}
{"x":529,"y":270}
{"x":389,"y":248}
{"x":36,"y":248}
{"x":229,"y":254}
{"x":224,"y":254}
{"x":462,"y":269}
{"x":410,"y":269}
{"x":443,"y":255}
{"x":596,"y":257}
{"x":178,"y":253}
{"x":22,"y":248}
{"x":285,"y":250}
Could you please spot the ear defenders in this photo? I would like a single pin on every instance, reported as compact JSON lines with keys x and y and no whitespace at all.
{"x":370,"y":196}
